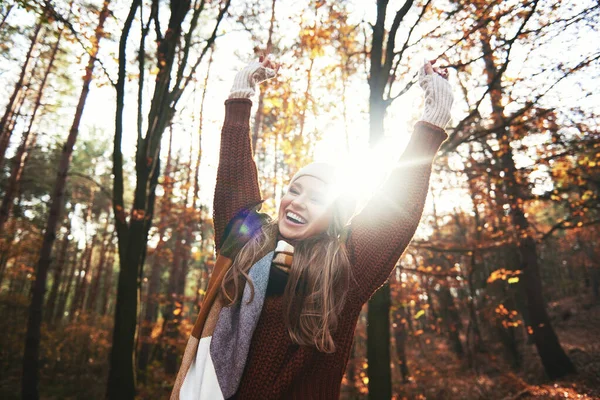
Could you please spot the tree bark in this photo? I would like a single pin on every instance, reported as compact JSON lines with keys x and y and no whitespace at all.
{"x":378,"y":320}
{"x":83,"y":282}
{"x":20,"y":156}
{"x":57,"y":277}
{"x":92,"y":298}
{"x":121,"y":377}
{"x":132,"y":234}
{"x":151,"y":309}
{"x":30,"y":377}
{"x":64,"y":295}
{"x":5,"y":16}
{"x":4,"y":132}
{"x":107,"y":284}
{"x":450,"y":319}
{"x":400,"y":336}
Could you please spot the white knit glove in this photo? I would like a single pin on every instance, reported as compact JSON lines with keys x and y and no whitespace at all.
{"x":245,"y":81}
{"x":438,"y":98}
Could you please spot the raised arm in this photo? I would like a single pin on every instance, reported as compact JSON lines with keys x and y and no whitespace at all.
{"x":237,"y":178}
{"x":381,"y":232}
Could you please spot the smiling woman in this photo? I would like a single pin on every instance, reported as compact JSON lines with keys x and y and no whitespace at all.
{"x":279,"y":315}
{"x":304,"y":210}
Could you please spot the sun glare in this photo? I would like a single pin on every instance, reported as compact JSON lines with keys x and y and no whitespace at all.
{"x":362,"y":169}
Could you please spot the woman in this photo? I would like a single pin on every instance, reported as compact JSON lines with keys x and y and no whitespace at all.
{"x":282,"y":303}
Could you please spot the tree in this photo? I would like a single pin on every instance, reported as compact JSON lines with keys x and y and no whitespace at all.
{"x":502,"y":138}
{"x":5,"y":130}
{"x":32,"y":339}
{"x":26,"y":140}
{"x":384,"y":60}
{"x":132,"y":234}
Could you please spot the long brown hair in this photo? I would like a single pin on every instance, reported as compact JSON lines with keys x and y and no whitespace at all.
{"x":317,"y":285}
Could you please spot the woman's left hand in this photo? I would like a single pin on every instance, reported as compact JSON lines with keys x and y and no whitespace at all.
{"x":438,"y":94}
{"x":244,"y":84}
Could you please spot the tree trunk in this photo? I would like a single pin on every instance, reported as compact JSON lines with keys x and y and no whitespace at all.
{"x":351,"y":375}
{"x":4,"y":132}
{"x":132,"y":234}
{"x":378,"y":344}
{"x":82,"y":283}
{"x":62,"y":299}
{"x":400,"y":336}
{"x":173,"y":308}
{"x":18,"y":160}
{"x":57,"y":277}
{"x":32,"y":339}
{"x":132,"y":238}
{"x":107,"y":284}
{"x":92,"y":299}
{"x":151,"y":309}
{"x":82,"y":273}
{"x":378,"y":317}
{"x":180,"y":270}
{"x":121,"y":379}
{"x":5,"y":16}
{"x":450,"y":319}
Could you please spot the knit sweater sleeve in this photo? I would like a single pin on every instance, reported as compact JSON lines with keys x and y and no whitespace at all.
{"x":237,"y":178}
{"x":381,"y":232}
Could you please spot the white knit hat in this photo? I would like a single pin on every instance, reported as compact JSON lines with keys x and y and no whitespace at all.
{"x":345,"y":202}
{"x":320,"y":170}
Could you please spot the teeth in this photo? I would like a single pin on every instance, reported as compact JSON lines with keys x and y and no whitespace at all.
{"x":295,"y":217}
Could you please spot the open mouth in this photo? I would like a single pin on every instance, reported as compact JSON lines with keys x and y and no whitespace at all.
{"x":295,"y":218}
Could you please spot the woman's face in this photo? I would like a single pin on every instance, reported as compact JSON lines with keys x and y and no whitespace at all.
{"x":304,"y":210}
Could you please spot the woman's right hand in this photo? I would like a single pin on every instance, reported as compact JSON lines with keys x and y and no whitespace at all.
{"x":256,"y":72}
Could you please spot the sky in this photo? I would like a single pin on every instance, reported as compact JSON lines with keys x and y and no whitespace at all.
{"x":234,"y":50}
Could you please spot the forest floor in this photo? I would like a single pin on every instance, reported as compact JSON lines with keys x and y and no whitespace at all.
{"x":438,"y":374}
{"x":80,"y":366}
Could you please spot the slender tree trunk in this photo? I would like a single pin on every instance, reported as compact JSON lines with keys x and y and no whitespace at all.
{"x":81,"y":288}
{"x":121,"y":379}
{"x":64,"y":295}
{"x":32,"y":340}
{"x":132,"y":237}
{"x":18,"y":160}
{"x":4,"y":132}
{"x":351,"y":374}
{"x":378,"y":318}
{"x":5,"y":16}
{"x":450,"y":319}
{"x":173,"y":308}
{"x":473,"y":321}
{"x":107,"y":284}
{"x":151,"y":309}
{"x":381,"y":59}
{"x":400,"y":336}
{"x":196,"y":192}
{"x":258,"y":116}
{"x":92,"y":299}
{"x":180,"y":270}
{"x":378,"y":344}
{"x":58,"y":274}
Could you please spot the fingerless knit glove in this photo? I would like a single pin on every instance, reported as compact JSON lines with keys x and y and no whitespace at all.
{"x":245,"y":81}
{"x":438,"y":98}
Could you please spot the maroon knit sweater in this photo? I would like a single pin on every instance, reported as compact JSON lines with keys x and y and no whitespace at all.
{"x":277,"y":368}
